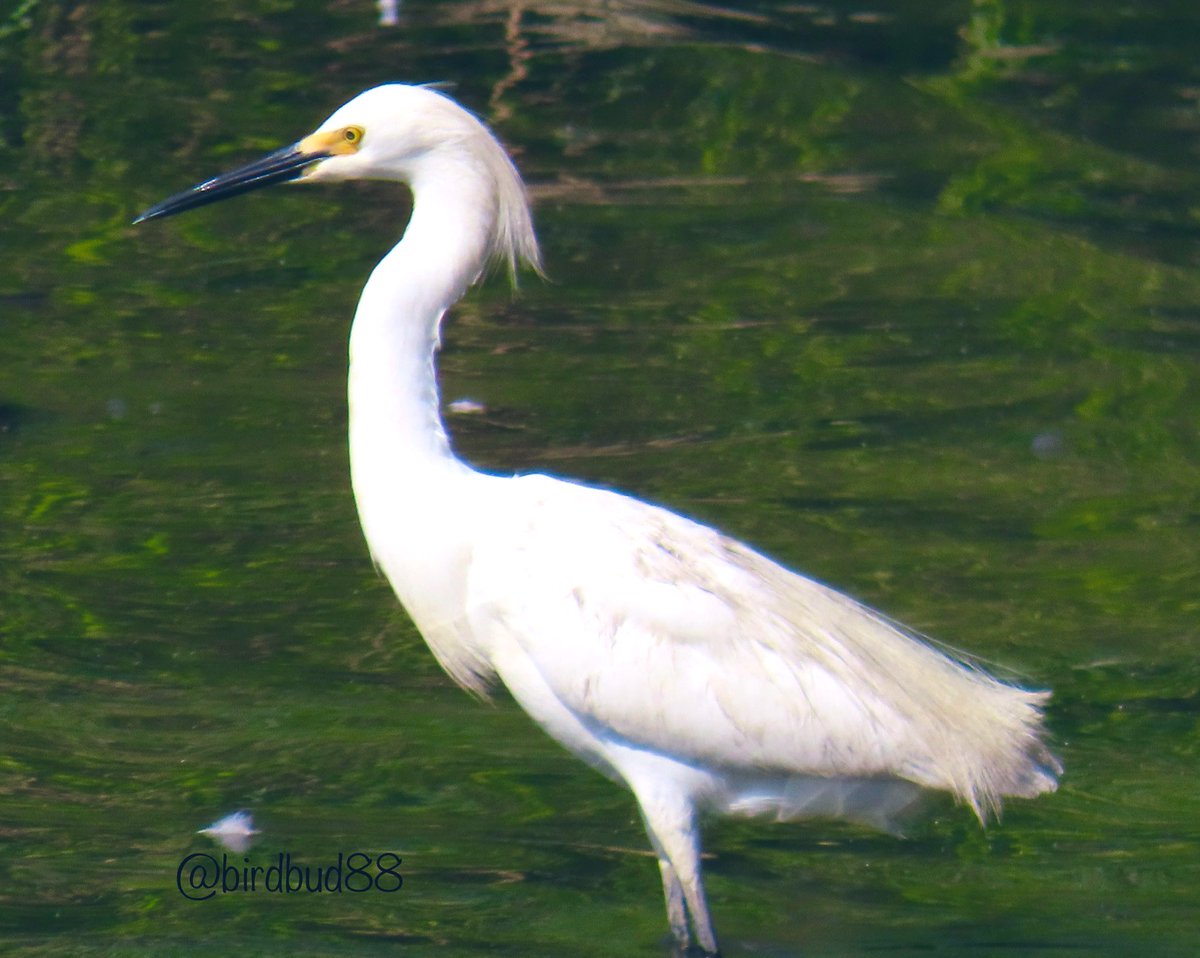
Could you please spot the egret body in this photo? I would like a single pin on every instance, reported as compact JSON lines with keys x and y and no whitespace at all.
{"x":699,"y":673}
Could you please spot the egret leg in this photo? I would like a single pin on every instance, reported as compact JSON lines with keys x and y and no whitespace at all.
{"x":671,"y":824}
{"x":677,"y":913}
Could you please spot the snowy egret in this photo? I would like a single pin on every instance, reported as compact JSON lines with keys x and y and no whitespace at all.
{"x":699,"y":673}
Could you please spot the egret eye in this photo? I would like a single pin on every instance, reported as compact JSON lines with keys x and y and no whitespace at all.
{"x":352,"y":135}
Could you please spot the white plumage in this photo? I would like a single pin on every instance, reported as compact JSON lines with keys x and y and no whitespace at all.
{"x":701,"y":674}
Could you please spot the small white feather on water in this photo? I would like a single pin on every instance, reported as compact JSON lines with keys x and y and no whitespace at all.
{"x":235,"y":832}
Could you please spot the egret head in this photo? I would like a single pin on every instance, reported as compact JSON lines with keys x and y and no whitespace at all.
{"x":392,"y":132}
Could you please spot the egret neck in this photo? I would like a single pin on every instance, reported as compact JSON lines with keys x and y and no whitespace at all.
{"x":395,"y":420}
{"x":407,"y":481}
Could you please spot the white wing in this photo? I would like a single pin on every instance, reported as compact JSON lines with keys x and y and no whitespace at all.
{"x":663,"y":634}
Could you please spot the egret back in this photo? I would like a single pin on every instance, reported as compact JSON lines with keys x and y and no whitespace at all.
{"x":659,"y":632}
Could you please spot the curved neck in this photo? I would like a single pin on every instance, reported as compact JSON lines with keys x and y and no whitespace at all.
{"x":396,"y":431}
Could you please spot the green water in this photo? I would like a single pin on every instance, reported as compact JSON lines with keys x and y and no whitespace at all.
{"x":908,"y":296}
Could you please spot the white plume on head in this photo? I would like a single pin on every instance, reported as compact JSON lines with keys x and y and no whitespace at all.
{"x":406,"y":125}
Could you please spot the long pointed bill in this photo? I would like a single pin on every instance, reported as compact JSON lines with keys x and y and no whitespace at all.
{"x":278,"y":167}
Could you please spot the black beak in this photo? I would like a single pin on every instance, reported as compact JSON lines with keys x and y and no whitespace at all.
{"x":278,"y":167}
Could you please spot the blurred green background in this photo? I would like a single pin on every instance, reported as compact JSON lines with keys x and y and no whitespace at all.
{"x":907,"y":295}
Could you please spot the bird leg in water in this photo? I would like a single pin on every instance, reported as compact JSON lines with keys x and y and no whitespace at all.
{"x":671,"y":825}
{"x":677,"y":914}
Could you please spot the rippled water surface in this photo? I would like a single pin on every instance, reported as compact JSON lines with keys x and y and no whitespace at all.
{"x":908,"y":296}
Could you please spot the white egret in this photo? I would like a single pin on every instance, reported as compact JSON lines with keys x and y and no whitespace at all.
{"x":699,"y":673}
